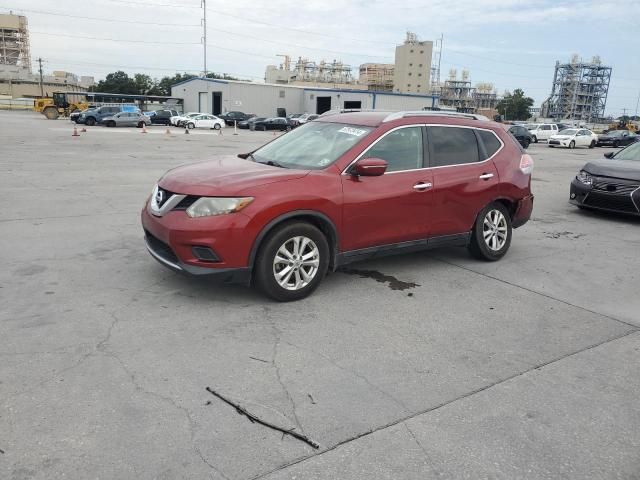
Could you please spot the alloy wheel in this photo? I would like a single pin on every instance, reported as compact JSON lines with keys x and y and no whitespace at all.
{"x":296,"y":263}
{"x":494,"y":230}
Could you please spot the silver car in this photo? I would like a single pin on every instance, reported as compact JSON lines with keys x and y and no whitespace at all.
{"x":127,"y":119}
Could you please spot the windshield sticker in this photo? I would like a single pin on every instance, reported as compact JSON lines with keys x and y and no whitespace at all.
{"x":352,"y":131}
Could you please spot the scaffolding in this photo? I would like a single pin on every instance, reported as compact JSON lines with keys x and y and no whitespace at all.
{"x":579,"y":91}
{"x":322,"y":72}
{"x":377,"y":76}
{"x":14,"y":42}
{"x":456,"y":93}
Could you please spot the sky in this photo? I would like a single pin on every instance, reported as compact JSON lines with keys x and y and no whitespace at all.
{"x":510,"y":43}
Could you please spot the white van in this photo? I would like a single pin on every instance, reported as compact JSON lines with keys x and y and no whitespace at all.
{"x":542,"y":131}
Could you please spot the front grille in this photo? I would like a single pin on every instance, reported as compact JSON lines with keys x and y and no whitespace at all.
{"x":610,"y":201}
{"x":160,"y":248}
{"x":617,"y":186}
{"x":554,"y":142}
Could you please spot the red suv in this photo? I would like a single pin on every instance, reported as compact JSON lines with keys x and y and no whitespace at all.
{"x":343,"y":188}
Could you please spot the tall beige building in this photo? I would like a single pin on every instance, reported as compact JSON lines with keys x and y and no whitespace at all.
{"x":413,"y":66}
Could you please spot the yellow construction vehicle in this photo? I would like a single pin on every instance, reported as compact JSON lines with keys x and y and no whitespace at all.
{"x":62,"y":103}
{"x":624,"y":124}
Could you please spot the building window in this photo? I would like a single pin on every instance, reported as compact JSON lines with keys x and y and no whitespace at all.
{"x":420,"y":65}
{"x":418,"y":86}
{"x":411,"y":64}
{"x":281,"y":93}
{"x":409,"y":73}
{"x":408,"y":84}
{"x":410,"y":51}
{"x":419,"y":74}
{"x":421,"y":51}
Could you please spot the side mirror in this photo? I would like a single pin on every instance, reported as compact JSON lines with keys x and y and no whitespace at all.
{"x":369,"y":167}
{"x":609,"y":154}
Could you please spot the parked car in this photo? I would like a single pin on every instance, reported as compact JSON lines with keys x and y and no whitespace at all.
{"x":126,"y":119}
{"x":180,"y":119}
{"x":249,"y":123}
{"x":574,"y":137}
{"x":340,"y":189}
{"x":231,"y":117}
{"x":542,"y":131}
{"x":76,"y":115}
{"x":521,"y":134}
{"x":276,"y":123}
{"x":93,"y":116}
{"x":304,"y":118}
{"x":562,"y":126}
{"x":617,"y":138}
{"x":173,"y":120}
{"x":163,"y":117}
{"x":205,"y":121}
{"x":612,"y":184}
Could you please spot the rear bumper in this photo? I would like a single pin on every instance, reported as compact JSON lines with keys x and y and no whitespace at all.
{"x":523,"y":211}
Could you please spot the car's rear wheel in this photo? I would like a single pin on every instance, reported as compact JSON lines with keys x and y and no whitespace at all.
{"x":535,"y":139}
{"x":572,"y":144}
{"x":292,"y":261}
{"x":592,"y":144}
{"x":217,"y":126}
{"x":527,"y":142}
{"x":111,"y":124}
{"x":90,"y":121}
{"x":191,"y":126}
{"x":491,"y":234}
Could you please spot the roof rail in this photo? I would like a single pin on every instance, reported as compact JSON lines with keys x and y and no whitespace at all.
{"x":431,"y":113}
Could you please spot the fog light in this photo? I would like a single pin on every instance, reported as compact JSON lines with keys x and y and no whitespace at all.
{"x":205,"y":254}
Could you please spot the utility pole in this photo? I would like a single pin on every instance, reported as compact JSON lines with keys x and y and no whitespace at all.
{"x":204,"y":23}
{"x":637,"y":104}
{"x":40,"y":69}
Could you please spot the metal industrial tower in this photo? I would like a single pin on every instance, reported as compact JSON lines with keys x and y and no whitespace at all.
{"x":579,"y":91}
{"x":14,"y":42}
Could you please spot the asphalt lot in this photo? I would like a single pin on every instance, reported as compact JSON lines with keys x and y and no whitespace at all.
{"x":524,"y":368}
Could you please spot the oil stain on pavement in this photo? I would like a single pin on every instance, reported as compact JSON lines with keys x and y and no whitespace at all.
{"x":391,"y":281}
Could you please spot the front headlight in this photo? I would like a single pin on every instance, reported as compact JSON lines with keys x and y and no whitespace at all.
{"x":211,"y":206}
{"x":585,"y":177}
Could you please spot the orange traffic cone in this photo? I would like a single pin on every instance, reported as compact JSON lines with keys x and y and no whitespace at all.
{"x":167,"y":131}
{"x":75,"y":132}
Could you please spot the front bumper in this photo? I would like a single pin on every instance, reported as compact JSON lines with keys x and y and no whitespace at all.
{"x":625,"y":200}
{"x":171,"y":240}
{"x":523,"y":212}
{"x":559,"y":143}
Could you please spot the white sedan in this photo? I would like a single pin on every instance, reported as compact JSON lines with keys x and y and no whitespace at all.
{"x":574,"y":137}
{"x":205,"y":121}
{"x":178,"y":119}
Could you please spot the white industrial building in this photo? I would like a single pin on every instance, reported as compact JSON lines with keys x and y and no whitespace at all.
{"x":220,"y":96}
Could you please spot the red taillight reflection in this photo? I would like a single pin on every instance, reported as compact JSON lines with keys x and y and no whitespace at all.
{"x":526,"y":164}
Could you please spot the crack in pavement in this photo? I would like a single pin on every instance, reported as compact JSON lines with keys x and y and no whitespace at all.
{"x":446,"y":403}
{"x":424,"y":450}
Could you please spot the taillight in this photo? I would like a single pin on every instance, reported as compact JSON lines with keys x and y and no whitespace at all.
{"x":526,"y":164}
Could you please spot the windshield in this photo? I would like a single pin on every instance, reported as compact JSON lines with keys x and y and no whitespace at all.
{"x":568,"y":131}
{"x":313,"y":145}
{"x":632,"y":152}
{"x":615,"y":133}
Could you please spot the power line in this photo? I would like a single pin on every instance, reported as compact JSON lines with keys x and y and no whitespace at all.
{"x":112,"y":20}
{"x":153,"y":5}
{"x":115,"y":39}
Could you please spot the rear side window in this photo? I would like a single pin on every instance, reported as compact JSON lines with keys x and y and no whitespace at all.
{"x":452,"y":146}
{"x":491,"y":142}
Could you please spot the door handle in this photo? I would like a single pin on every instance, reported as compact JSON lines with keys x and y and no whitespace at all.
{"x":422,"y":186}
{"x":486,"y":176}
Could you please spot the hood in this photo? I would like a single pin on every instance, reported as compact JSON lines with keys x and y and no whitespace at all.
{"x":224,"y":176}
{"x":627,"y":169}
{"x":562,"y":137}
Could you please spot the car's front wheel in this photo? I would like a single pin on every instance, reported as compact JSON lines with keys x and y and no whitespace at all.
{"x":217,"y":126}
{"x":191,"y":126}
{"x":592,"y":144}
{"x":292,"y":261}
{"x":572,"y":144}
{"x":491,"y":234}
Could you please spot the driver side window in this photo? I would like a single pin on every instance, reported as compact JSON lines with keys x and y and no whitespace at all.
{"x":401,"y":149}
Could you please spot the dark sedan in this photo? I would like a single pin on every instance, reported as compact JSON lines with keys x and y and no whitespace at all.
{"x":279,"y":123}
{"x":521,"y":134}
{"x":617,"y":138}
{"x":610,"y":185}
{"x":248,"y":123}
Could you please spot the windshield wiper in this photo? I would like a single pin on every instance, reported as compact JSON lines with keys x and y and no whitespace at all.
{"x":273,"y":164}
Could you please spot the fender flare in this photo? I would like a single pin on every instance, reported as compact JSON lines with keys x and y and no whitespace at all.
{"x":333,"y":232}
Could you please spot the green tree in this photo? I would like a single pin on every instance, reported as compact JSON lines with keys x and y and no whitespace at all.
{"x":143,"y":83}
{"x":116,"y":82}
{"x":515,"y":106}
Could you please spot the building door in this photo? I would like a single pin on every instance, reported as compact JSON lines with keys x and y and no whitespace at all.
{"x":202,"y":101}
{"x":352,"y":104}
{"x":323,"y":104}
{"x":217,"y":103}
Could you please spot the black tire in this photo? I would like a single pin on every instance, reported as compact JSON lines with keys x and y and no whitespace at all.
{"x":140,"y":124}
{"x":535,"y":139}
{"x":265,"y":276}
{"x":191,"y":126}
{"x":111,"y":124}
{"x":527,"y":142}
{"x":572,"y":145}
{"x":90,"y":121}
{"x":217,"y":126}
{"x":478,"y":246}
{"x":592,"y":144}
